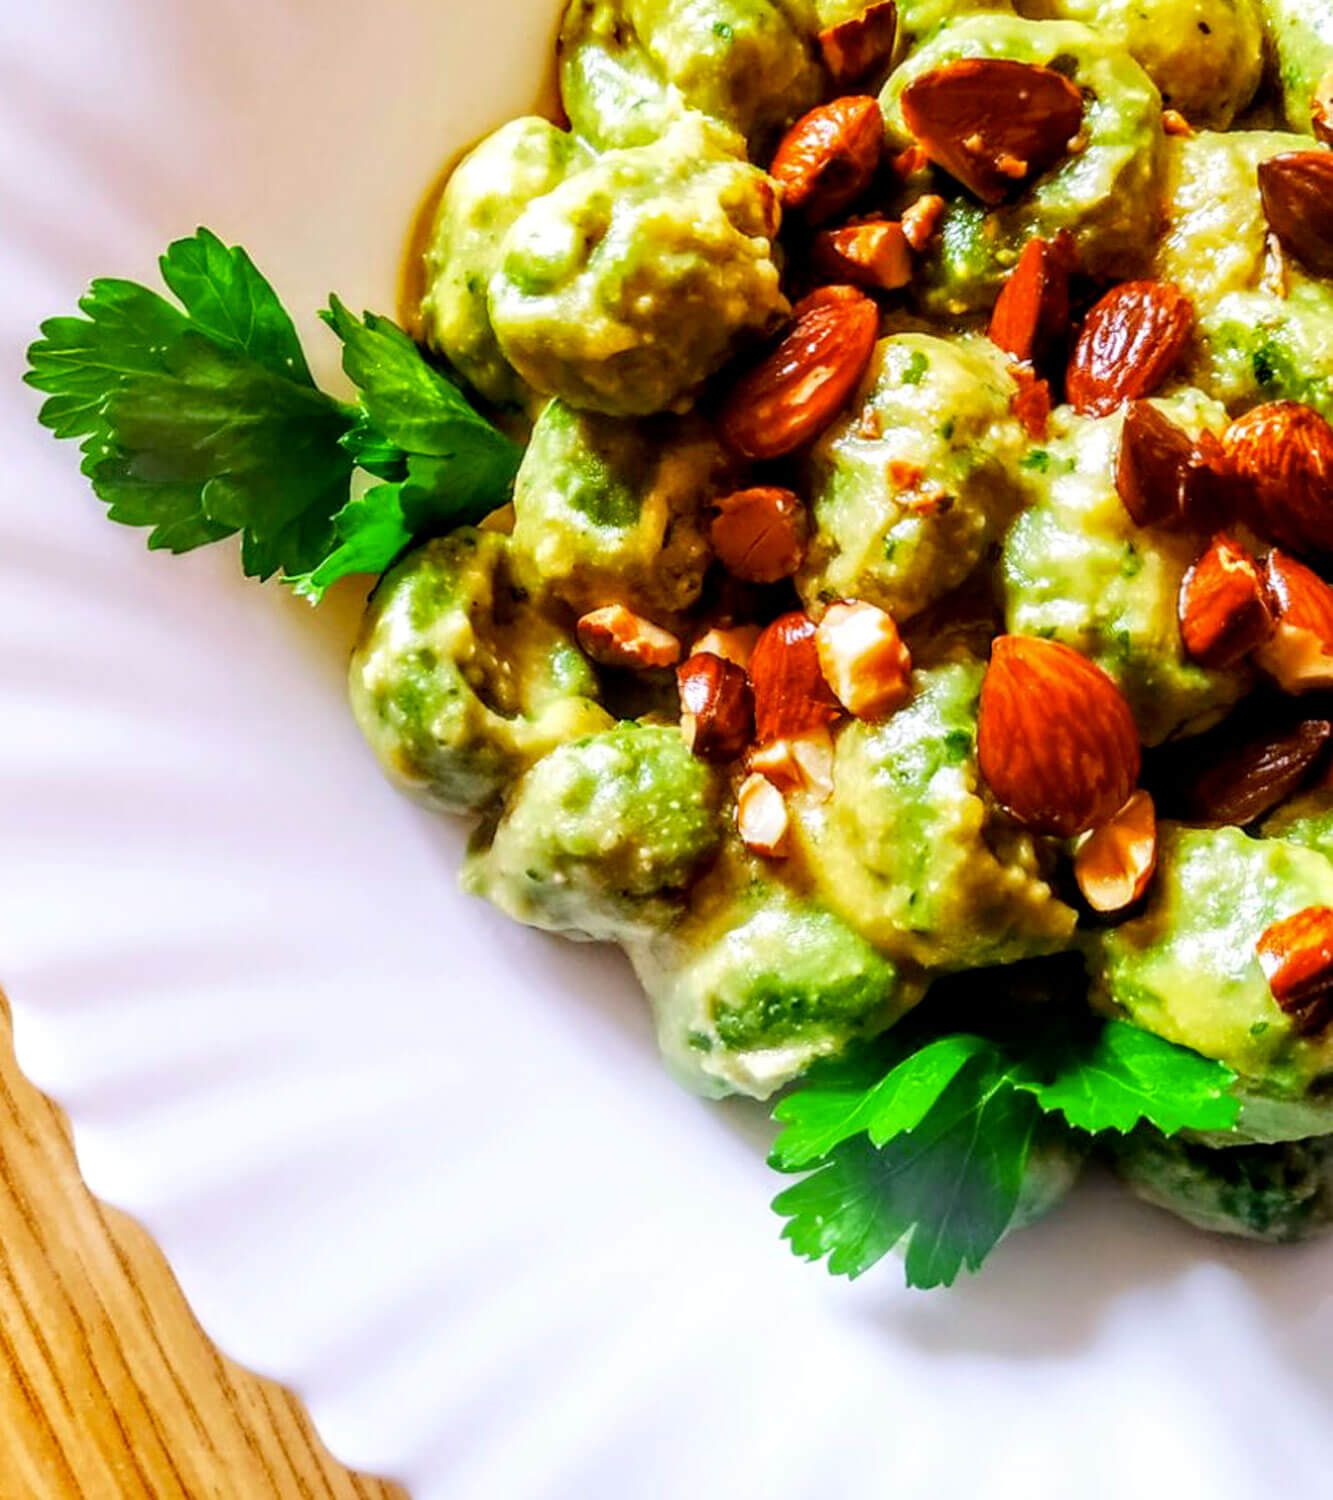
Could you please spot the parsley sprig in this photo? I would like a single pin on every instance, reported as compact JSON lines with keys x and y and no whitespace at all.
{"x":199,"y":419}
{"x":930,"y":1143}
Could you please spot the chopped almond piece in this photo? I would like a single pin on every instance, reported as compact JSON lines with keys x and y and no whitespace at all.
{"x":1115,"y":863}
{"x":829,"y":157}
{"x":802,"y":763}
{"x":734,"y":644}
{"x":921,"y":219}
{"x":862,"y":45}
{"x":759,"y":535}
{"x":1321,"y":113}
{"x":1224,"y":608}
{"x":617,"y":637}
{"x":762,"y":818}
{"x":874,"y":256}
{"x":1174,"y":123}
{"x":1299,"y":654}
{"x":1296,"y":956}
{"x":716,"y":707}
{"x":864,"y":660}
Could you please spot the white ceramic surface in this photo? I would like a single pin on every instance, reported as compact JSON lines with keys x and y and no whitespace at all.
{"x":418,"y":1163}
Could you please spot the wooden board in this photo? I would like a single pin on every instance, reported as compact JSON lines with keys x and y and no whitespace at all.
{"x":108,"y":1386}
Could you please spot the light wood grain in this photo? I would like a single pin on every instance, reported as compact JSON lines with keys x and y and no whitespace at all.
{"x":108,"y":1386}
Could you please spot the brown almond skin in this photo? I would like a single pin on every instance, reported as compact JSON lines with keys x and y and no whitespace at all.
{"x":760,"y":534}
{"x":716,"y":700}
{"x":1131,"y":342}
{"x":1031,"y":317}
{"x":1152,"y":462}
{"x":874,"y":256}
{"x":1321,"y":110}
{"x":1296,"y":956}
{"x":857,"y":48}
{"x":1056,"y":741}
{"x":1224,"y":609}
{"x":796,"y":391}
{"x":978,"y":116}
{"x":1284,"y":452}
{"x":791,"y":696}
{"x":1297,"y":193}
{"x":829,"y":157}
{"x":1032,"y":403}
{"x":1300,"y":595}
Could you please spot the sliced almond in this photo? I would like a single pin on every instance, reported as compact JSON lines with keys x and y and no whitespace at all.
{"x":796,"y":391}
{"x":864,"y":660}
{"x":716,"y":707}
{"x":992,"y":122}
{"x":1224,"y":608}
{"x":803,"y":763}
{"x":1131,"y":342}
{"x":1296,"y":956}
{"x":617,"y":637}
{"x":1056,"y":740}
{"x":1299,"y":654}
{"x":874,"y":256}
{"x":1297,"y":193}
{"x":760,"y":534}
{"x":855,"y":49}
{"x":791,"y":697}
{"x":762,"y":818}
{"x":733,"y":643}
{"x":921,"y":220}
{"x":1283,"y":453}
{"x":829,"y":157}
{"x":1115,"y":864}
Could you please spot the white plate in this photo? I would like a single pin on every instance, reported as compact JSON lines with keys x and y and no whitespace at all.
{"x":418,"y":1163}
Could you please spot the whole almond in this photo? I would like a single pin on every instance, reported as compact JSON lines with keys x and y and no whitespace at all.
{"x":796,"y":391}
{"x":1224,"y":608}
{"x":1284,"y":452}
{"x":1116,"y":862}
{"x":716,"y":707}
{"x":1234,"y":776}
{"x":1299,"y":654}
{"x":1031,"y":318}
{"x":1056,"y":740}
{"x":1296,"y":956}
{"x":829,"y":157}
{"x":1152,"y":464}
{"x":1131,"y":342}
{"x":856,"y":48}
{"x":875,"y":256}
{"x":759,"y":535}
{"x":762,"y":818}
{"x":1297,"y":192}
{"x":991,"y":122}
{"x":1321,"y":109}
{"x":791,"y":696}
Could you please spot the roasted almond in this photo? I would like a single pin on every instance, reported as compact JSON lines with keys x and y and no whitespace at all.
{"x":759,"y":535}
{"x":1151,"y":466}
{"x":1284,"y":452}
{"x":991,"y":122}
{"x":1299,"y":654}
{"x":762,"y":818}
{"x":1297,"y":191}
{"x":864,"y":660}
{"x":921,"y":219}
{"x":1296,"y":956}
{"x":856,"y":48}
{"x":791,"y":696}
{"x":1174,"y":123}
{"x":716,"y":707}
{"x":733,"y":643}
{"x":1116,"y":862}
{"x":1321,"y":110}
{"x":1056,"y":740}
{"x":617,"y":637}
{"x":875,"y":256}
{"x":1224,"y":608}
{"x":796,"y":391}
{"x":1131,"y":341}
{"x":1236,"y":776}
{"x":803,"y":763}
{"x":1031,"y":318}
{"x":829,"y":157}
{"x":1032,"y":402}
